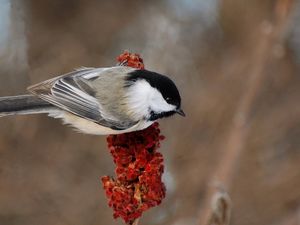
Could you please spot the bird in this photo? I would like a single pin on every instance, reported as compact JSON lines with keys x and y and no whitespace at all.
{"x":100,"y":101}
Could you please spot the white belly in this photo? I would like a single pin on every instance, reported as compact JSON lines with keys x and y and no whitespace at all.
{"x":89,"y":127}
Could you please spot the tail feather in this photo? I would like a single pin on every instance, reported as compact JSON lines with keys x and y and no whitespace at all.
{"x":23,"y":104}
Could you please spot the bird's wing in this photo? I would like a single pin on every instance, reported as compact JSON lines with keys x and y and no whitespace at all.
{"x":72,"y":92}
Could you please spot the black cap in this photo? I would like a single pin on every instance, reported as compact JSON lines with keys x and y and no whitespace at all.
{"x":162,"y":83}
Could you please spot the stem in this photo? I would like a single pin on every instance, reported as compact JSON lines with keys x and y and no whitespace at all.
{"x":136,"y":222}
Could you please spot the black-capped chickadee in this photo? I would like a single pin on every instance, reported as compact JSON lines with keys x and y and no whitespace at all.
{"x":101,"y":100}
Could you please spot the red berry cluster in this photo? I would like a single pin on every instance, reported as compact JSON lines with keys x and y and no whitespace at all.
{"x":138,"y":185}
{"x":131,"y":59}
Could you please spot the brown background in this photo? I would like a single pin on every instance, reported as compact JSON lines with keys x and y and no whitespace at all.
{"x":49,"y":174}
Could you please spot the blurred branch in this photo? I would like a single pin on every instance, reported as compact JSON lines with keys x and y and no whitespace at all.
{"x":282,"y":9}
{"x":269,"y":35}
{"x":221,"y":209}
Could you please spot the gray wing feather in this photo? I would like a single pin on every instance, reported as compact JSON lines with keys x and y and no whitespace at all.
{"x":72,"y":92}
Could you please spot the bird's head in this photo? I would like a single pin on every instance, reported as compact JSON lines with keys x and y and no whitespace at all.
{"x":152,"y":95}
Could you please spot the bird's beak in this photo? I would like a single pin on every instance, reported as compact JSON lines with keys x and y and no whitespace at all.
{"x":180,"y":112}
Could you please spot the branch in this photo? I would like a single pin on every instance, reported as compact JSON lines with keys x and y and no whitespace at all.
{"x":269,"y":35}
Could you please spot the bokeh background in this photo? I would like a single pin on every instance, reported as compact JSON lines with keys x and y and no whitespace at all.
{"x":236,"y":63}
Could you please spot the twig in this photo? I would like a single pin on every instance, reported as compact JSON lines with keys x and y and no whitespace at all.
{"x":136,"y":222}
{"x":221,"y":209}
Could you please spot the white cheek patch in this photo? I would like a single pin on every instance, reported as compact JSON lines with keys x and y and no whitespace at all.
{"x":158,"y":103}
{"x":142,"y":97}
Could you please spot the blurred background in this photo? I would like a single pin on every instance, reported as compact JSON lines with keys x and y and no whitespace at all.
{"x":236,"y":63}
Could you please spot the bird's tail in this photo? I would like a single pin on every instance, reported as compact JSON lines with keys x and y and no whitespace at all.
{"x":23,"y":104}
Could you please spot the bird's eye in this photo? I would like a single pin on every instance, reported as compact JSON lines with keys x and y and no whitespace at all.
{"x":168,"y":99}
